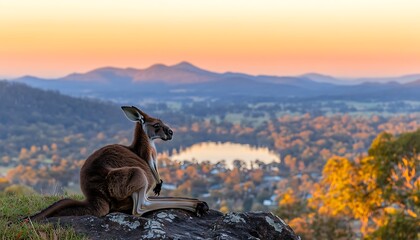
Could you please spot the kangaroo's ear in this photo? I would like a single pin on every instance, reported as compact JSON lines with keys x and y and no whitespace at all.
{"x":133,"y":114}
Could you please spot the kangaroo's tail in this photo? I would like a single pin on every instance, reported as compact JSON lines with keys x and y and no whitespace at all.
{"x":64,"y":207}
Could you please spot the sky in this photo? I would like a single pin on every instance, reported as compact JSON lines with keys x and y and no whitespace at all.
{"x":346,"y":38}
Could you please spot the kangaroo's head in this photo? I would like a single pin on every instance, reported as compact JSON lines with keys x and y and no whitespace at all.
{"x":153,"y":127}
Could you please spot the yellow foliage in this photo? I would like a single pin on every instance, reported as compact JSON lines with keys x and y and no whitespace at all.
{"x":3,"y":180}
{"x":288,"y":198}
{"x":349,"y":189}
{"x":224,"y":209}
{"x":390,"y":210}
{"x":299,"y":224}
{"x":411,"y":213}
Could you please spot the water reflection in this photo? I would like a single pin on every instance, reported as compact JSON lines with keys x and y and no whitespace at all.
{"x":216,"y":152}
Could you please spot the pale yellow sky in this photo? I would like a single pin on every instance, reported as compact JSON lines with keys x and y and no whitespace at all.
{"x":337,"y":37}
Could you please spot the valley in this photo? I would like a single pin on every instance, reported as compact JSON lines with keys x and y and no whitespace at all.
{"x":45,"y":136}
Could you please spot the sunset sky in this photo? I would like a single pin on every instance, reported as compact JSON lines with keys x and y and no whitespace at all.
{"x":349,"y":38}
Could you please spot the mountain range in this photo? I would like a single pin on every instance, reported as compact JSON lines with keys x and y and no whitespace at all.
{"x":186,"y":81}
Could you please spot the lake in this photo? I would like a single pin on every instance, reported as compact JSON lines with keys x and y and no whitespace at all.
{"x":215,"y":152}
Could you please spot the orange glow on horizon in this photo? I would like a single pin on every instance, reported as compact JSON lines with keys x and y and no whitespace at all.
{"x":341,"y":38}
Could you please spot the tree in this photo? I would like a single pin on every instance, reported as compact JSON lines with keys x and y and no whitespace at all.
{"x":382,"y":190}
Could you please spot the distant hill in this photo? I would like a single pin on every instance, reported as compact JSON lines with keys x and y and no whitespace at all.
{"x":185,"y":81}
{"x":400,"y":79}
{"x":181,"y":73}
{"x":30,"y":116}
{"x":23,"y":105}
{"x":354,"y":81}
{"x":324,"y":78}
{"x":414,"y":83}
{"x":182,"y":80}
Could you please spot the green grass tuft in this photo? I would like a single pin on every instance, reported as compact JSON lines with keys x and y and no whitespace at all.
{"x":15,"y":207}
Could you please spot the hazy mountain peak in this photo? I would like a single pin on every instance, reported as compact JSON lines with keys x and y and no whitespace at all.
{"x":102,"y":75}
{"x":183,"y":72}
{"x":156,"y":66}
{"x":184,"y":63}
{"x":185,"y":66}
{"x":105,"y":69}
{"x":318,"y":77}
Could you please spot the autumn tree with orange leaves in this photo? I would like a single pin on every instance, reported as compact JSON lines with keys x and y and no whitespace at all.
{"x":380,"y":192}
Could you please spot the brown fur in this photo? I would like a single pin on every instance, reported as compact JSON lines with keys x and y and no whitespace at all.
{"x":108,"y":178}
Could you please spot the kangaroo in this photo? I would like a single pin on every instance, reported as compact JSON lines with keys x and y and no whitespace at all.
{"x":118,"y":178}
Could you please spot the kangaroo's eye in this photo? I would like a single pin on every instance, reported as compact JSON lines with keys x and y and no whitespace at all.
{"x":156,"y":125}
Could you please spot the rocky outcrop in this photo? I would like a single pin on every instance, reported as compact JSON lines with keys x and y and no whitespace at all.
{"x":178,"y":224}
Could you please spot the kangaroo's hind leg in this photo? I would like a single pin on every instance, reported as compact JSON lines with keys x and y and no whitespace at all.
{"x":131,"y":181}
{"x":122,"y":183}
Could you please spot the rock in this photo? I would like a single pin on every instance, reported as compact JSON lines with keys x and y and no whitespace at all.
{"x":179,"y":224}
